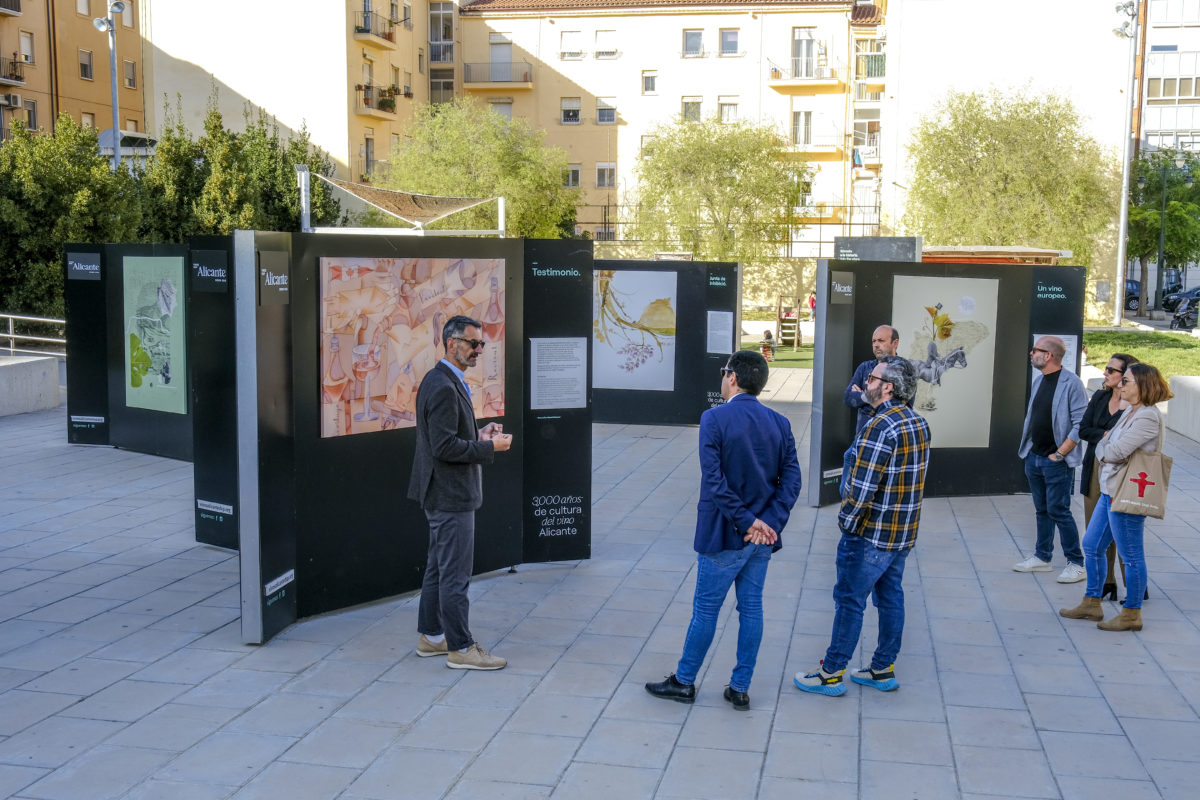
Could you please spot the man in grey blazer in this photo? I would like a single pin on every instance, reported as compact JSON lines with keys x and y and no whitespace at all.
{"x":447,"y":480}
{"x":1048,"y":441}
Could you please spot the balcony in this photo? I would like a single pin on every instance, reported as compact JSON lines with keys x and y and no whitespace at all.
{"x":375,"y":101}
{"x":10,"y":8}
{"x":829,"y":209}
{"x":373,"y":29}
{"x":867,"y":152}
{"x":441,"y":52}
{"x":804,"y":76}
{"x":870,"y":69}
{"x":12,"y":72}
{"x":818,"y":148}
{"x":503,"y":75}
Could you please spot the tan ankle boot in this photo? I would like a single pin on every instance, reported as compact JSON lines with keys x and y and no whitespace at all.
{"x":1088,"y":609}
{"x":1130,"y":619}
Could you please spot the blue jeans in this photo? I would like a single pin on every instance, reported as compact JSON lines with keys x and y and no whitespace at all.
{"x":746,"y":569}
{"x":1126,"y":529}
{"x":863,"y":569}
{"x":1050,"y":483}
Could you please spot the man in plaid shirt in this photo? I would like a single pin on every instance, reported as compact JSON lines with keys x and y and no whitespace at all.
{"x":881,"y":507}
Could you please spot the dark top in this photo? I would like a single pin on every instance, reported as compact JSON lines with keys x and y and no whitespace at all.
{"x":446,"y":472}
{"x":1041,"y":417}
{"x":1096,"y":420}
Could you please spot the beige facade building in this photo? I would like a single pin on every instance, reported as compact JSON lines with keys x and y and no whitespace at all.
{"x":53,"y":60}
{"x":599,"y":77}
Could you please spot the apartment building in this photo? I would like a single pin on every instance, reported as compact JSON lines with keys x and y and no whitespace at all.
{"x":600,"y":76}
{"x":53,"y":60}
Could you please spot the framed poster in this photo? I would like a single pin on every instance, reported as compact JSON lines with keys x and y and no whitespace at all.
{"x":947,"y":330}
{"x":381,"y":323}
{"x":633,"y":330}
{"x":155,"y":339}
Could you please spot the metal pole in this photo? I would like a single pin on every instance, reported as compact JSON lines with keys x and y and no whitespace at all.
{"x":305,"y":198}
{"x":1123,"y":225}
{"x":1162,"y":235}
{"x":112,"y":72}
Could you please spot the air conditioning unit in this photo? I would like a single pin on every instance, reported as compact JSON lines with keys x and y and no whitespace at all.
{"x":824,"y":72}
{"x":11,"y":100}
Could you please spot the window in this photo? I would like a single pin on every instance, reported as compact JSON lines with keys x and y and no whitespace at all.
{"x":131,"y":125}
{"x":571,"y":176}
{"x":87,"y":120}
{"x":606,"y":110}
{"x":407,"y":20}
{"x":727,"y":109}
{"x":31,"y":115}
{"x":26,"y":47}
{"x":802,"y":127}
{"x":649,"y":81}
{"x":441,"y":33}
{"x":501,"y":106}
{"x":441,"y":85}
{"x":394,"y":11}
{"x":606,"y":174}
{"x":570,"y":45}
{"x":804,"y":53}
{"x":729,"y":41}
{"x":368,"y":155}
{"x":647,"y":141}
{"x":395,"y":142}
{"x":866,"y":127}
{"x":83,"y":7}
{"x":127,"y":14}
{"x":570,"y":111}
{"x":407,"y":85}
{"x":1173,"y":12}
{"x":691,"y":109}
{"x":605,"y":233}
{"x":693,"y":43}
{"x":1172,"y":78}
{"x":85,"y":64}
{"x":130,"y":75}
{"x":421,"y":61}
{"x":606,"y":44}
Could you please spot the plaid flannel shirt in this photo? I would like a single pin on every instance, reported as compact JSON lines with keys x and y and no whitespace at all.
{"x":883,"y":495}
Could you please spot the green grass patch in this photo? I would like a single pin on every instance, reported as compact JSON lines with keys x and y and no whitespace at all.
{"x":784,"y":356}
{"x":1172,"y":353}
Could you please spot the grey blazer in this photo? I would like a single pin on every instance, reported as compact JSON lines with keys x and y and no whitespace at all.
{"x":446,"y":471}
{"x":1070,"y":401}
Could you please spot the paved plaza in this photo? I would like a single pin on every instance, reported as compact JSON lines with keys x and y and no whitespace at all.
{"x":123,"y":675}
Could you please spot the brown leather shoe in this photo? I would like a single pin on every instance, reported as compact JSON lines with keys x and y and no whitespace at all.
{"x":426,"y":648}
{"x":1089,"y":608}
{"x":1130,"y":619}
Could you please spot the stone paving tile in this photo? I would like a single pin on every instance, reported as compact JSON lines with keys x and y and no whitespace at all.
{"x":813,"y":757}
{"x":890,"y":779}
{"x":14,"y":779}
{"x":408,"y":772}
{"x":285,"y":715}
{"x":447,"y":728}
{"x":297,"y":782}
{"x":343,"y":743}
{"x":606,"y":781}
{"x":83,"y":677}
{"x":54,"y":741}
{"x":227,"y":758}
{"x":497,"y":790}
{"x":99,"y":774}
{"x":20,"y":709}
{"x":717,"y":774}
{"x":1000,"y":728}
{"x":990,"y":770}
{"x":507,"y":759}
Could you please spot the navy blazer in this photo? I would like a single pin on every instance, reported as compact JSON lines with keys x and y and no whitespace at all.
{"x":748,"y":470}
{"x":446,"y":471}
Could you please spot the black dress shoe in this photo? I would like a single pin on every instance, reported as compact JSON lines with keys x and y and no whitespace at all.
{"x":672,"y":689}
{"x":739,"y":700}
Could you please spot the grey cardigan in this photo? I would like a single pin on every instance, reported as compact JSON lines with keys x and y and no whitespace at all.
{"x":1070,"y":401}
{"x":1137,"y":431}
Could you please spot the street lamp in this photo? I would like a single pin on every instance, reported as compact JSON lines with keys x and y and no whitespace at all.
{"x":1163,"y":169}
{"x":108,"y":25}
{"x":1128,"y":30}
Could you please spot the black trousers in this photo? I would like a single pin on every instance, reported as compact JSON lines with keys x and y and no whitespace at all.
{"x":444,"y":605}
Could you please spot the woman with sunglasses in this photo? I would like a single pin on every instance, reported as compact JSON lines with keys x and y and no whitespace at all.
{"x":1103,"y":412}
{"x":1140,"y":428}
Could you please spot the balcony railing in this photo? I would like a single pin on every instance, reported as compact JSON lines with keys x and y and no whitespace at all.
{"x":870,"y":65}
{"x":864,"y":95}
{"x":504,"y":72}
{"x":12,"y":71}
{"x":10,"y":6}
{"x":441,"y":52}
{"x":374,"y":24}
{"x":809,"y":68}
{"x":378,"y":98}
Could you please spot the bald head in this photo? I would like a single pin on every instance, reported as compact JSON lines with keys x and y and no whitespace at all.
{"x":885,"y":341}
{"x":1047,"y":354}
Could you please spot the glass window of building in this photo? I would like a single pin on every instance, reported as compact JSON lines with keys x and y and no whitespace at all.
{"x":729,"y":41}
{"x":606,"y":110}
{"x":693,"y":43}
{"x":571,"y":176}
{"x":649,"y":81}
{"x":690,"y":109}
{"x":85,"y":64}
{"x":569,"y":110}
{"x":606,"y":174}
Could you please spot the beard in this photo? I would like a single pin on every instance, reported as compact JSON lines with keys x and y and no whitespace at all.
{"x":873,"y":394}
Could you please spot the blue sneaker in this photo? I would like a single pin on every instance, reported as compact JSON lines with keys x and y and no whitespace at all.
{"x":821,"y":682}
{"x":883,"y":680}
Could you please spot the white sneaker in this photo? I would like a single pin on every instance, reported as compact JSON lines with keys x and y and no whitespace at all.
{"x":1033,"y":564}
{"x":1072,"y":574}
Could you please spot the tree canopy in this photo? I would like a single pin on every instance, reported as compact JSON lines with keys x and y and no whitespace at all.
{"x":720,"y":190}
{"x":463,"y":149}
{"x":1151,"y":173}
{"x":1010,"y":169}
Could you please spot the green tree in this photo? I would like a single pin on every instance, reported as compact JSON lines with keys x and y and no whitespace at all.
{"x":720,"y":190}
{"x":1010,"y":169}
{"x":463,"y":149}
{"x":1181,"y":234}
{"x":54,"y":190}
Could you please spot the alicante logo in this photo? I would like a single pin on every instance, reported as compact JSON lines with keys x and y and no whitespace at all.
{"x":271,"y":279}
{"x":210,"y":272}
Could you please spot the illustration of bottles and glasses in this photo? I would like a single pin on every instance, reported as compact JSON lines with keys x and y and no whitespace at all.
{"x":366,"y":364}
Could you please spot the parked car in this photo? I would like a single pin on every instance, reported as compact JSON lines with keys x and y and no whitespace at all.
{"x":1171,"y":301}
{"x":1133,"y":288}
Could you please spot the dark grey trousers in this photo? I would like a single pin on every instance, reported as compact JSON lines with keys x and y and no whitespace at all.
{"x":444,"y":605}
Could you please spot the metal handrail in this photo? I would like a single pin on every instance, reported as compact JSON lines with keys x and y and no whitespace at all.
{"x":12,"y":336}
{"x":11,"y":5}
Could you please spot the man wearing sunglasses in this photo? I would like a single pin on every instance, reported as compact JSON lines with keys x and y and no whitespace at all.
{"x":749,"y":481}
{"x":447,"y":480}
{"x":1051,"y":431}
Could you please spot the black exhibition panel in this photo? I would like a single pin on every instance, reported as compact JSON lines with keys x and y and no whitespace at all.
{"x":85,"y":295}
{"x":358,"y":537}
{"x":558,"y":414}
{"x":146,"y":293}
{"x":705,"y":295}
{"x":952,"y":318}
{"x":213,"y":348}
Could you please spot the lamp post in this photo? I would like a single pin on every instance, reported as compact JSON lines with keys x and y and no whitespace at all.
{"x":1163,"y":169}
{"x":1128,"y":30}
{"x":108,"y":25}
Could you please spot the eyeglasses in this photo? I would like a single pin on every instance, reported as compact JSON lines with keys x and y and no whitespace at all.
{"x":475,"y":344}
{"x":875,"y":378}
{"x":1127,"y":381}
{"x":726,"y":371}
{"x":1112,"y":371}
{"x":1040,"y":350}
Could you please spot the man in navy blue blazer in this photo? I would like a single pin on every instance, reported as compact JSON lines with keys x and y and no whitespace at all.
{"x":749,"y":481}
